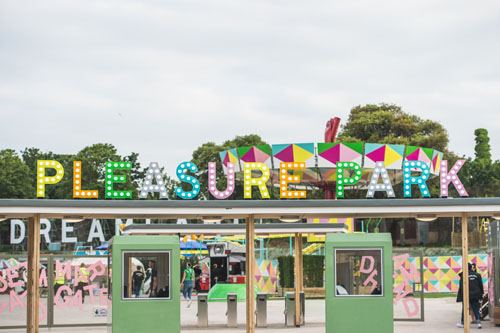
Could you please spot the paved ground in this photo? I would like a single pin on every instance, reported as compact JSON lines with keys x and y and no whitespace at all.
{"x":441,"y":316}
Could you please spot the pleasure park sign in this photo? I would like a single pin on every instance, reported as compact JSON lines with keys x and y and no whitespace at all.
{"x":370,"y":166}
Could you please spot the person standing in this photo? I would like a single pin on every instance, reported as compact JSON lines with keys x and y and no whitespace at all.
{"x":476,"y":292}
{"x":137,"y":278}
{"x":187,"y":283}
{"x":82,"y":280}
{"x":153,"y":286}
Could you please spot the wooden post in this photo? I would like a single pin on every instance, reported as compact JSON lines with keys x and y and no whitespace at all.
{"x":465,"y":273}
{"x":33,"y":274}
{"x":250,"y":275}
{"x":298,"y":275}
{"x":36,"y":274}
{"x":31,"y":246}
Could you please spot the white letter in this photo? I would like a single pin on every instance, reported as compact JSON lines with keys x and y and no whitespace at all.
{"x":65,"y":229}
{"x":119,"y":222}
{"x":95,"y":231}
{"x":45,"y":231}
{"x":22,"y":231}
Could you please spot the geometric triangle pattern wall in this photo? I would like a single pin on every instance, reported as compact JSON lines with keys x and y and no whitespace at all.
{"x":266,"y":275}
{"x":441,"y":273}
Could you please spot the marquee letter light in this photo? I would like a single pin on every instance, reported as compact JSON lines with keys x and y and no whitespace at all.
{"x":342,"y":181}
{"x":285,"y":178}
{"x":187,"y":179}
{"x":409,"y":180}
{"x":42,"y":179}
{"x":78,"y":191}
{"x":111,"y":179}
{"x":452,"y":177}
{"x":148,"y":186}
{"x":212,"y":186}
{"x":259,"y":182}
{"x":380,"y":171}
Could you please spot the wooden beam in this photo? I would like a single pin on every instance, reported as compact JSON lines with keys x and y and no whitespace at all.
{"x":465,"y":272}
{"x":298,"y":276}
{"x":250,"y":275}
{"x":30,"y":273}
{"x":36,"y":274}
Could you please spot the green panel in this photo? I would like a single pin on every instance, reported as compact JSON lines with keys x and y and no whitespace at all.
{"x":323,"y":146}
{"x":356,"y":146}
{"x":265,"y":148}
{"x":428,"y":152}
{"x":410,"y":149}
{"x":242,"y":151}
{"x":359,"y":313}
{"x":145,"y":315}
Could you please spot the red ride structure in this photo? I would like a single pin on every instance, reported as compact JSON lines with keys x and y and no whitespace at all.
{"x":332,"y":127}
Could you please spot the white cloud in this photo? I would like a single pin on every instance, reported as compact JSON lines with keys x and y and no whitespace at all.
{"x":162,"y":78}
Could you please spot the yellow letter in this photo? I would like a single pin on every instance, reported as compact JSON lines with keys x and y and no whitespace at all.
{"x":259,"y":182}
{"x":41,"y":165}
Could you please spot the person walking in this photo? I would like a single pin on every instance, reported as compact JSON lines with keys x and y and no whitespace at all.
{"x":187,"y":283}
{"x":137,"y":278}
{"x":476,"y":292}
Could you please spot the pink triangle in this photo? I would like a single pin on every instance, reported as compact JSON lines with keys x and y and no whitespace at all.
{"x":448,"y":262}
{"x":433,"y":270}
{"x":268,"y":267}
{"x":226,"y":159}
{"x":377,"y":155}
{"x":286,"y":155}
{"x":474,"y":260}
{"x":249,"y":156}
{"x":414,"y":156}
{"x":457,"y":269}
{"x":260,"y":156}
{"x":449,"y":286}
{"x":347,"y":154}
{"x":332,"y":154}
{"x":423,"y":157}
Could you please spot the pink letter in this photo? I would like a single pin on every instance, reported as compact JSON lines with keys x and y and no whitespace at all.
{"x":77,"y":300}
{"x":15,"y":300}
{"x":213,"y":181}
{"x":90,"y":288}
{"x":362,"y":266}
{"x":66,"y":298}
{"x":371,"y":280}
{"x":3,"y":283}
{"x":3,"y":307}
{"x":96,"y":272}
{"x":103,"y":297}
{"x":66,"y":271}
{"x":452,"y":177}
{"x":407,"y":308}
{"x":43,"y":278}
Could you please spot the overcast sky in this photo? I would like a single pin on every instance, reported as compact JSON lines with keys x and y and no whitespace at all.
{"x":162,"y":77}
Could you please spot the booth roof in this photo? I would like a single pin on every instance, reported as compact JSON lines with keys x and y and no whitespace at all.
{"x":20,"y":208}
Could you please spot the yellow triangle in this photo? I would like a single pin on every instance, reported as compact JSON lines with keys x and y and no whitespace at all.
{"x":300,"y":155}
{"x":391,"y":156}
{"x":438,"y":163}
{"x":232,"y":158}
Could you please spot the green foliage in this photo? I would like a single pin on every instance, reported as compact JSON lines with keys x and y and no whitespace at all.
{"x":387,"y":123}
{"x":481,"y":176}
{"x":13,"y":176}
{"x":313,"y":270}
{"x":285,"y":271}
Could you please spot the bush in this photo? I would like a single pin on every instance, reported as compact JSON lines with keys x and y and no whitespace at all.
{"x":313,"y":271}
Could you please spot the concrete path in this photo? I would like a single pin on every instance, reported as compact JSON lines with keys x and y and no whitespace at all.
{"x":441,"y":316}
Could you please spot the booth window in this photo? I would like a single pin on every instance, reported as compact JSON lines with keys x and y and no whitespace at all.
{"x":358,"y":272}
{"x":146,"y":275}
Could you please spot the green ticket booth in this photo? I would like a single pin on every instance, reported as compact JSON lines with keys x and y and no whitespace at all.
{"x":150,"y":304}
{"x":359,"y":283}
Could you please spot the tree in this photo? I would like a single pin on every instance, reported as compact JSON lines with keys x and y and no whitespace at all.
{"x":481,"y":177}
{"x":387,"y":123}
{"x":13,"y":176}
